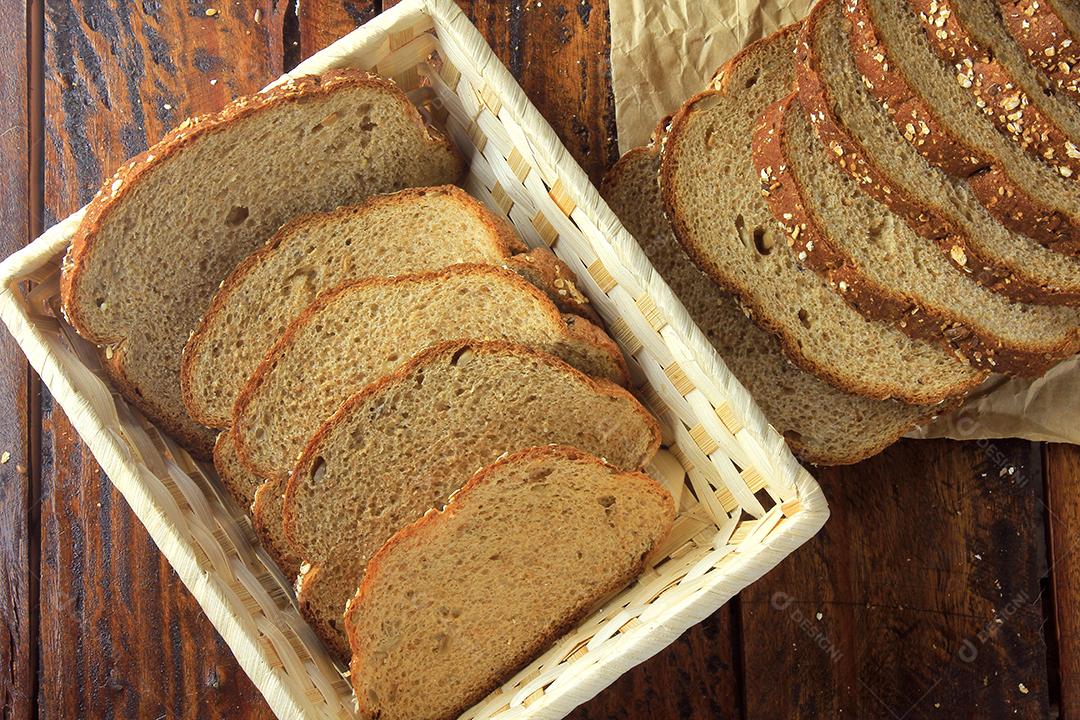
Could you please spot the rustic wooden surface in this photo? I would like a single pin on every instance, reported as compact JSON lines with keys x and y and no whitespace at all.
{"x":945,"y":584}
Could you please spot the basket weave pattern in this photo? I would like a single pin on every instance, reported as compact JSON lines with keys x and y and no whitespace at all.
{"x":744,"y":502}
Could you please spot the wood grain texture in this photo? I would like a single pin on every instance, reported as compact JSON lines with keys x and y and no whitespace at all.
{"x":120,"y":635}
{"x":920,"y":598}
{"x":1062,"y":463}
{"x":17,"y":602}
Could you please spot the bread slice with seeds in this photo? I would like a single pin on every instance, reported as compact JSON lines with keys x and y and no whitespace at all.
{"x":356,"y":333}
{"x":403,"y":444}
{"x":887,"y":271}
{"x":456,"y":602}
{"x":942,"y":208}
{"x":164,"y":231}
{"x":925,"y":99}
{"x":713,"y":198}
{"x":1025,"y":106}
{"x":822,"y":424}
{"x":1049,"y":33}
{"x":414,"y":230}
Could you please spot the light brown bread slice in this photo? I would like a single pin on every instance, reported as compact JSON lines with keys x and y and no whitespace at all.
{"x":403,"y":444}
{"x":925,"y":100}
{"x":414,"y":230}
{"x":886,"y":270}
{"x":266,"y":517}
{"x":970,"y":36}
{"x":240,"y":482}
{"x":713,"y":198}
{"x":940,"y":207}
{"x":360,"y":331}
{"x":1049,"y":33}
{"x":822,"y":424}
{"x":169,"y":226}
{"x":456,"y":602}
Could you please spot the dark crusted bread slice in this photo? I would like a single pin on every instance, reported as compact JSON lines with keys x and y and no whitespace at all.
{"x":457,"y":601}
{"x":356,"y":333}
{"x":713,"y":198}
{"x":403,"y":444}
{"x":1049,"y":33}
{"x":923,"y":97}
{"x":886,"y":270}
{"x":414,"y":230}
{"x":970,"y":36}
{"x":941,"y":208}
{"x":822,"y":424}
{"x":169,"y":226}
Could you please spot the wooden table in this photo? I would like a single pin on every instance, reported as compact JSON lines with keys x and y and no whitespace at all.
{"x":945,"y":584}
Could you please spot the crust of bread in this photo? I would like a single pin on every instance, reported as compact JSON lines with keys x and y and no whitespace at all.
{"x":817,"y":251}
{"x":1047,"y":41}
{"x":545,"y":270}
{"x":846,"y":151}
{"x":578,"y":328}
{"x":265,"y":511}
{"x":1006,"y":201}
{"x":1015,"y":113}
{"x":597,"y":386}
{"x":460,"y":500}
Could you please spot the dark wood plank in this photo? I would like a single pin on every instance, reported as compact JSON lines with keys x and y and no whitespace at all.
{"x":323,"y":22}
{"x":120,"y":635}
{"x":920,"y":598}
{"x":1062,"y":467}
{"x":17,"y":602}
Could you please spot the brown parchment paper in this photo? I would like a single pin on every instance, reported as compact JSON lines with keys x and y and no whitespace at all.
{"x":663,"y":51}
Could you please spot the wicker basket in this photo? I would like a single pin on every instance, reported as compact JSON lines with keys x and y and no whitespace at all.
{"x":744,"y":502}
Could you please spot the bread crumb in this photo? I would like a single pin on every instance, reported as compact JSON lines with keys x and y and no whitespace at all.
{"x":211,"y":12}
{"x":5,"y":457}
{"x":1023,"y":688}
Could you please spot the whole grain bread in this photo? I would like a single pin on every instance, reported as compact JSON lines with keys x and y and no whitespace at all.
{"x":456,"y":602}
{"x":924,"y":98}
{"x":266,"y":517}
{"x":886,"y":270}
{"x":1049,"y":33}
{"x":1024,"y":105}
{"x":939,"y":207}
{"x":713,"y":198}
{"x":167,"y":228}
{"x":414,"y":230}
{"x":354,"y":334}
{"x":401,"y":445}
{"x":822,"y":424}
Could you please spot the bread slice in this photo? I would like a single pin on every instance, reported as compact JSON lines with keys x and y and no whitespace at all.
{"x":1049,"y":33}
{"x":456,"y":602}
{"x":356,"y":333}
{"x":970,"y":36}
{"x":167,"y":228}
{"x":403,"y":444}
{"x":925,"y":100}
{"x":237,"y":480}
{"x":940,"y":207}
{"x":822,"y":424}
{"x":267,"y":511}
{"x":413,"y":230}
{"x":887,"y":271}
{"x":713,"y":198}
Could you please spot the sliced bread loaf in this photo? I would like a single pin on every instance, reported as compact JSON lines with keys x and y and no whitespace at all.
{"x":457,"y":601}
{"x":940,"y":207}
{"x":886,"y":270}
{"x":356,"y":333}
{"x":1049,"y":33}
{"x":822,"y":424}
{"x":414,"y":230}
{"x":267,"y":511}
{"x":970,"y":36}
{"x":924,"y":98}
{"x":238,"y":481}
{"x":403,"y":444}
{"x":161,"y":235}
{"x":713,"y":198}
